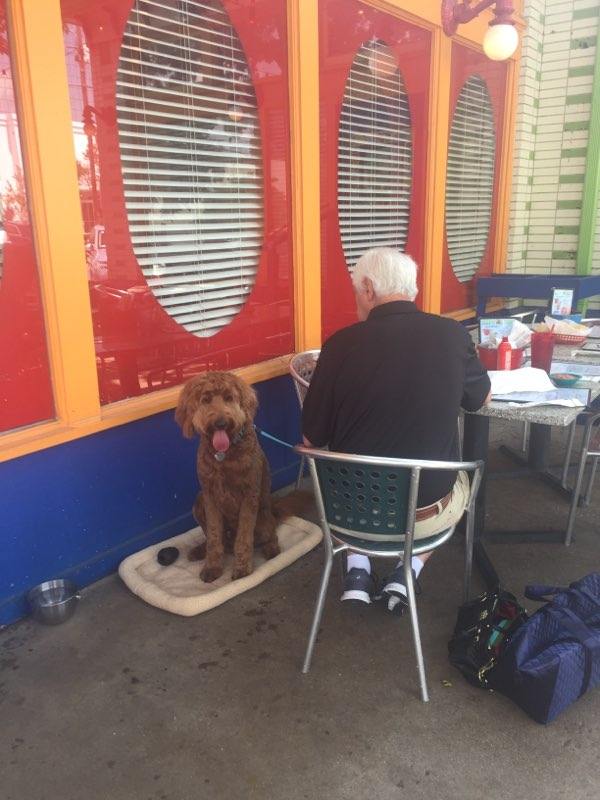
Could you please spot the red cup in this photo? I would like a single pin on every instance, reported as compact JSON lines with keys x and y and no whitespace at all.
{"x":542,"y":347}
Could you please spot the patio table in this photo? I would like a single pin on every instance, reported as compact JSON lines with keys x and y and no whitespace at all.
{"x":475,"y":446}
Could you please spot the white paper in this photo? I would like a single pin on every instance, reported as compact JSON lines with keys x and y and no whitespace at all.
{"x":567,"y":327}
{"x":572,"y":403}
{"x":492,"y":331}
{"x":562,"y":300}
{"x":585,"y":370}
{"x":594,"y":332}
{"x":526,"y":379}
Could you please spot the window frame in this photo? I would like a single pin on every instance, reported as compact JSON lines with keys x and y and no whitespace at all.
{"x":41,"y":91}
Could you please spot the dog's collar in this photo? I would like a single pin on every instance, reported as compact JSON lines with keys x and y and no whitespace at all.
{"x":220,"y":455}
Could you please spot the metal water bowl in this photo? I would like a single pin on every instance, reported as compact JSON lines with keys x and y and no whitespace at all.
{"x":53,"y":602}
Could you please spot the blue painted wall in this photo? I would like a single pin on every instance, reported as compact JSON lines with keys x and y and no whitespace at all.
{"x":78,"y":509}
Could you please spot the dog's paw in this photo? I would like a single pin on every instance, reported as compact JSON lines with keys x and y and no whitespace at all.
{"x":241,"y":571}
{"x":270,"y":550}
{"x":197,"y":553}
{"x":210,"y":574}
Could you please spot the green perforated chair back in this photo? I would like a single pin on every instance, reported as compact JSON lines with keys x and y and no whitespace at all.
{"x":363,"y":502}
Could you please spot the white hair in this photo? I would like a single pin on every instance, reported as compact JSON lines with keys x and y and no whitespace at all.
{"x":390,"y":271}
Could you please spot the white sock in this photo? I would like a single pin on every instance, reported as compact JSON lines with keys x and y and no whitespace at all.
{"x":358,"y":561}
{"x":416,"y":564}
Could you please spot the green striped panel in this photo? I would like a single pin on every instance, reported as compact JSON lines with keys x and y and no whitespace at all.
{"x":571,"y":178}
{"x":586,"y":13}
{"x":577,"y":99}
{"x":564,"y":255}
{"x":577,"y":125}
{"x":583,"y":42}
{"x":562,"y":205}
{"x":573,"y":152}
{"x":580,"y":72}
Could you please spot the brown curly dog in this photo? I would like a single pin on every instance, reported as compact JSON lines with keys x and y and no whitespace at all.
{"x":234,"y":507}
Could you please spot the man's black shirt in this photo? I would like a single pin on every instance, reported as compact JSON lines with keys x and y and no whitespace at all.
{"x":393,"y":386}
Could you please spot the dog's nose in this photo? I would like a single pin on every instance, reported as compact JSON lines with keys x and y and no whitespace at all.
{"x":220,"y":423}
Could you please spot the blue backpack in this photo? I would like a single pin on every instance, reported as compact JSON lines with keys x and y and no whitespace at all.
{"x":553,"y":657}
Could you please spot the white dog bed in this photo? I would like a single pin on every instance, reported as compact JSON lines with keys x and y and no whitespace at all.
{"x":178,"y":588}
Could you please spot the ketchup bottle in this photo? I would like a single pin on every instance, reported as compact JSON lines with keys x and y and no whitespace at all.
{"x":504,"y":354}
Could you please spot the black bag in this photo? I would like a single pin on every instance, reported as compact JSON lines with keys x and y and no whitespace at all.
{"x":482,"y":630}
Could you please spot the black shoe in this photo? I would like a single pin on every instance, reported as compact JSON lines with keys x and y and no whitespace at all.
{"x":394,"y":591}
{"x":359,"y":585}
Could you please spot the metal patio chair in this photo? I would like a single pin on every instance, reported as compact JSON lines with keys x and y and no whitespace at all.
{"x":591,"y":420}
{"x":302,"y":366}
{"x":591,"y":417}
{"x":368,"y":505}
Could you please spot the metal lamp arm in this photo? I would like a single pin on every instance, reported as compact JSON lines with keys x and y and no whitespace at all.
{"x":455,"y":13}
{"x":465,"y":13}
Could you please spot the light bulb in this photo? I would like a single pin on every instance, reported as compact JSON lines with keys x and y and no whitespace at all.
{"x":500,"y":42}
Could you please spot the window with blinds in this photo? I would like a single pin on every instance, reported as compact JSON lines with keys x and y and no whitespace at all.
{"x":374,"y":154}
{"x":470,"y":178}
{"x":191,"y":159}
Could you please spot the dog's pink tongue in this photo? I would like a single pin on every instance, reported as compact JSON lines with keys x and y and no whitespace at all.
{"x":220,"y":441}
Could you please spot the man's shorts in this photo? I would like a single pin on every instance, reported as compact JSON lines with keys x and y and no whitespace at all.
{"x":450,"y":515}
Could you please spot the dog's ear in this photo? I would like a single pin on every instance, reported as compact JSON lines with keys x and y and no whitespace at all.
{"x":186,"y":406}
{"x":248,"y":399}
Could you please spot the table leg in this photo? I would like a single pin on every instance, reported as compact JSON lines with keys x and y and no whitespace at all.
{"x":535,"y":463}
{"x":475,"y":447}
{"x":536,"y":458}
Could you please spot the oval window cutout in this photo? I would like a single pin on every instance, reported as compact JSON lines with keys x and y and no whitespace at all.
{"x":191,"y":159}
{"x":374,"y":154}
{"x":470,"y":178}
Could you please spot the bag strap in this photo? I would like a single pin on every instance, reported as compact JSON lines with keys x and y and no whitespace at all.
{"x":589,"y":639}
{"x":538,"y":591}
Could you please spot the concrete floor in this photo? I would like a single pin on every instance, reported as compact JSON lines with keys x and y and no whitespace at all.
{"x":125,"y":702}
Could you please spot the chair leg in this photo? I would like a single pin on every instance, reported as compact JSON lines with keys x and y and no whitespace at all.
{"x":469,"y":535}
{"x":314,"y":629}
{"x":567,"y":462}
{"x":300,"y":472}
{"x":525,"y":439}
{"x":577,"y":488}
{"x":590,"y":485}
{"x":412,"y":605}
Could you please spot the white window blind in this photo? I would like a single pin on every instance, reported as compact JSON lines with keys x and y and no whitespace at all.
{"x":374,"y":154}
{"x":470,"y":178}
{"x":191,"y":159}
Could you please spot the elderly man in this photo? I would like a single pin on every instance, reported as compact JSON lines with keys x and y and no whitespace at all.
{"x":392,"y":385}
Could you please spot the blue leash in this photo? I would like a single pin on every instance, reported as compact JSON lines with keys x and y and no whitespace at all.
{"x":273,"y":438}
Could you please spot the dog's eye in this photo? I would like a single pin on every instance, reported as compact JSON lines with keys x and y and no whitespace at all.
{"x":227,"y":397}
{"x":206,"y":398}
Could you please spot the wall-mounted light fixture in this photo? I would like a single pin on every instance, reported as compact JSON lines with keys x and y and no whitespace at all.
{"x":501,"y":38}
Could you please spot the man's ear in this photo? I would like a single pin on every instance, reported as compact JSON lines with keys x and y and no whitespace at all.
{"x":369,"y":289}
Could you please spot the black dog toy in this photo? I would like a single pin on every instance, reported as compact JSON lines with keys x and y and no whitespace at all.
{"x":167,"y":556}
